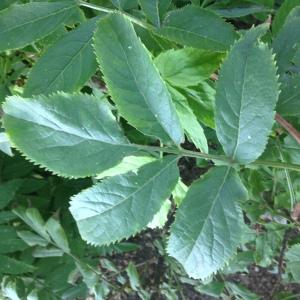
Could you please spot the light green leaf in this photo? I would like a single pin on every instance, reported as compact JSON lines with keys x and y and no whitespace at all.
{"x":179,"y":192}
{"x":10,"y":242}
{"x":241,"y":292}
{"x":282,"y":13}
{"x":125,"y":4}
{"x":9,"y":289}
{"x":189,"y":121}
{"x":133,"y":276}
{"x":209,"y":223}
{"x":128,"y":163}
{"x":40,"y":252}
{"x":196,"y":27}
{"x":187,"y":66}
{"x":90,"y":278}
{"x":123,"y":205}
{"x":161,"y":217}
{"x":247,"y":92}
{"x":13,"y":267}
{"x":293,"y":261}
{"x":67,"y":65}
{"x":291,"y":149}
{"x":5,"y":144}
{"x":33,"y":219}
{"x":213,"y":289}
{"x":32,"y":239}
{"x":133,"y":81}
{"x":8,"y":191}
{"x":57,"y":234}
{"x":286,"y":44}
{"x":23,"y":24}
{"x":72,"y":135}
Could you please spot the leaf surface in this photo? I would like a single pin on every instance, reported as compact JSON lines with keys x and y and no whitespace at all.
{"x":196,"y":27}
{"x":23,"y":24}
{"x":247,"y":92}
{"x":67,"y":65}
{"x":133,"y":82}
{"x":187,"y":66}
{"x":12,"y":266}
{"x":123,"y":205}
{"x":71,"y":135}
{"x":209,"y":223}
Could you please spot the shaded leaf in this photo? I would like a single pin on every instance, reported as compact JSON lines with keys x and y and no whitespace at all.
{"x":8,"y":191}
{"x":14,"y":267}
{"x":10,"y":242}
{"x":293,"y":261}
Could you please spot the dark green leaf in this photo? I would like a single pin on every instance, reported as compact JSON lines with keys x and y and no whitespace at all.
{"x":14,"y":267}
{"x":10,"y":242}
{"x":8,"y":191}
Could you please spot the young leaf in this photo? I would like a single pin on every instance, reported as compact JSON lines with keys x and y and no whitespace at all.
{"x":246,"y":96}
{"x":196,"y":27}
{"x":72,"y":135}
{"x":123,"y":205}
{"x":189,"y":121}
{"x":282,"y":13}
{"x":32,"y":239}
{"x":13,"y":267}
{"x":208,"y":225}
{"x":23,"y":24}
{"x":67,"y":65}
{"x":133,"y":81}
{"x":33,"y":218}
{"x":57,"y":234}
{"x":187,"y":66}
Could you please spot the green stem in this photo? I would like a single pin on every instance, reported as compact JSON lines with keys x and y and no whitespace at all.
{"x":110,"y":11}
{"x":222,"y":158}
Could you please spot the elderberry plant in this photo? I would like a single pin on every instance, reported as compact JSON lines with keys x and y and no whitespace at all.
{"x":121,"y":91}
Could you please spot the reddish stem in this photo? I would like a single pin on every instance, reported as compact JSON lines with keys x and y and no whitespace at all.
{"x":288,"y":127}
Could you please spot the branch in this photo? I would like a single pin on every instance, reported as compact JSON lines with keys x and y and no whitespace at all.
{"x":288,"y":127}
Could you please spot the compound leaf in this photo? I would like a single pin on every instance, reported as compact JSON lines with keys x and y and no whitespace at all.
{"x":67,"y":65}
{"x":72,"y":135}
{"x":133,"y":81}
{"x":123,"y":205}
{"x":23,"y":24}
{"x":12,"y":266}
{"x":196,"y":27}
{"x":247,"y":92}
{"x":209,"y":223}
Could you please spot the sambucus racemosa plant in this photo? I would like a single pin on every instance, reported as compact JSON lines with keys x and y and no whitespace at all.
{"x":76,"y":134}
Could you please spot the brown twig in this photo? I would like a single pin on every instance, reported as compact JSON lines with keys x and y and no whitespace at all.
{"x":288,"y":127}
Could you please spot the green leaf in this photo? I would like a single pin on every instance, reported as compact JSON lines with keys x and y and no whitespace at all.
{"x":286,"y":44}
{"x":179,"y":192}
{"x":6,"y":3}
{"x":5,"y":144}
{"x":123,"y":205}
{"x":10,"y":242}
{"x":41,"y":252}
{"x":57,"y":234}
{"x":213,"y":289}
{"x":32,"y":239}
{"x":161,"y":217}
{"x":154,"y":10}
{"x":14,"y":267}
{"x":289,"y":98}
{"x":90,"y":278}
{"x":293,"y":261}
{"x":187,"y":66}
{"x":247,"y":92}
{"x":23,"y":24}
{"x":6,"y":216}
{"x":8,"y":191}
{"x":133,"y":275}
{"x":133,"y":81}
{"x":291,"y":149}
{"x":209,"y":223}
{"x":72,"y":135}
{"x":125,"y":4}
{"x":129,"y":163}
{"x":67,"y":65}
{"x":189,"y":121}
{"x":282,"y":14}
{"x":196,"y":27}
{"x":33,"y":219}
{"x":241,"y":292}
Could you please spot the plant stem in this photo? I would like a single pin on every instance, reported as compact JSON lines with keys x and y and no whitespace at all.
{"x":222,"y":158}
{"x":110,"y":11}
{"x":288,"y":127}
